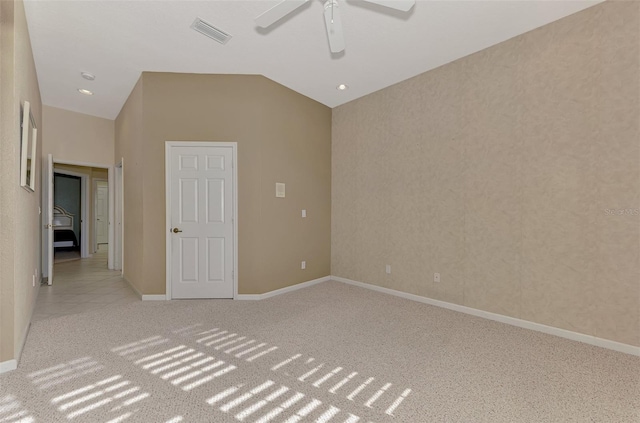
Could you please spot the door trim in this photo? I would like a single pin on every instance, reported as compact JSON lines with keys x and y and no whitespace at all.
{"x":167,"y":186}
{"x":118,"y":227}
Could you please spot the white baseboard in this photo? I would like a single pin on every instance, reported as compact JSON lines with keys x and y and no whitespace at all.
{"x":160,"y":297}
{"x":563,"y":333}
{"x":24,"y":336}
{"x":7,"y":366}
{"x":132,"y":287}
{"x":144,"y":297}
{"x":282,"y":290}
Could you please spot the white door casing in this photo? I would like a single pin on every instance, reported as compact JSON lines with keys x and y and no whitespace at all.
{"x":49,"y":224}
{"x":118,"y":238}
{"x":102,"y":212}
{"x":201,"y":211}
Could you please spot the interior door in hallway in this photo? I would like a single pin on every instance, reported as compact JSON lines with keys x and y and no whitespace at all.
{"x":200,"y":207}
{"x":102,"y":212}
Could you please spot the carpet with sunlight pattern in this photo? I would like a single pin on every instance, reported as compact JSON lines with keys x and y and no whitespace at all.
{"x":327,"y":353}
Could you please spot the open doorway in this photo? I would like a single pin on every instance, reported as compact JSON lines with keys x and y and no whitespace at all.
{"x":77,"y":217}
{"x":67,"y":200}
{"x":92,"y":282}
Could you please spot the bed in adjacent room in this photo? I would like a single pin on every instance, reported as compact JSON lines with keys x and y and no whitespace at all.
{"x":63,"y":234}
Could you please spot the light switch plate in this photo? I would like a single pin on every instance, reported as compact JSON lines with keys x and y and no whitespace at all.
{"x":304,"y":213}
{"x":280,"y":190}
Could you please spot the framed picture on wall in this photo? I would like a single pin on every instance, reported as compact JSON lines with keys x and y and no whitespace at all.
{"x":28,"y":146}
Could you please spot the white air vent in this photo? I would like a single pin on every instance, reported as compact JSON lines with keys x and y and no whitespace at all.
{"x":210,"y":31}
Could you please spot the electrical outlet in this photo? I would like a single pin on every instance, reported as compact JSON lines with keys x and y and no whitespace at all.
{"x":303,"y":265}
{"x":436,"y":277}
{"x":388,"y":269}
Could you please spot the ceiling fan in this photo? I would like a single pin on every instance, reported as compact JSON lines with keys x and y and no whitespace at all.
{"x":332,"y":18}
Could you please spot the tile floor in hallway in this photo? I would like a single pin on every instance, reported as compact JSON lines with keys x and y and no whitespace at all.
{"x":82,"y":285}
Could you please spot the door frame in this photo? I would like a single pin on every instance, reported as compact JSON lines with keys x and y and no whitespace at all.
{"x":118,"y":231}
{"x":46,"y":240}
{"x":234,"y":194}
{"x":47,"y":216}
{"x":95,"y":214}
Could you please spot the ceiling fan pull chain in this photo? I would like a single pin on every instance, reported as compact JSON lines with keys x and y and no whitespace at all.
{"x":332,"y":4}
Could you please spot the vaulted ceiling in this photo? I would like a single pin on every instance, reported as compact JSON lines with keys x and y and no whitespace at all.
{"x":117,"y":40}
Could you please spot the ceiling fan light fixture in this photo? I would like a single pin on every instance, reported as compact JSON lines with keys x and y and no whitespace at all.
{"x":332,"y":18}
{"x":278,"y":12}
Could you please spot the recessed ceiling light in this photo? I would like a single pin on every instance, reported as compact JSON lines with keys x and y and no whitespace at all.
{"x":342,"y":87}
{"x":85,"y":92}
{"x":88,"y":76}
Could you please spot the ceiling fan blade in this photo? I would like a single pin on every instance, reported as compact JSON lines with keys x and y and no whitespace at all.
{"x":333,"y":22}
{"x":278,"y":12}
{"x":402,"y":5}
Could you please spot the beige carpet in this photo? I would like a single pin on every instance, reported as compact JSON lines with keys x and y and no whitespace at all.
{"x":328,"y":353}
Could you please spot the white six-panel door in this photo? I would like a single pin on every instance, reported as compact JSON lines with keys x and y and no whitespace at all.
{"x":201,"y":201}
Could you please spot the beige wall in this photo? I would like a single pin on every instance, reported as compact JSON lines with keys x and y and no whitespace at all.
{"x":496,"y":171}
{"x":77,"y":137}
{"x":19,"y":218}
{"x":282,"y":137}
{"x":128,"y":148}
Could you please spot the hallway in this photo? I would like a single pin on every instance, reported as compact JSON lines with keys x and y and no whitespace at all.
{"x":82,"y":285}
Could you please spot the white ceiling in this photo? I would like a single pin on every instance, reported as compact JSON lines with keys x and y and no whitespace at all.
{"x":117,"y":40}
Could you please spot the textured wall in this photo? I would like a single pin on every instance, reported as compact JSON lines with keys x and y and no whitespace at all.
{"x":128,"y":148}
{"x":282,"y":136}
{"x":73,"y":136}
{"x":497,"y":171}
{"x":9,"y":160}
{"x":19,"y":218}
